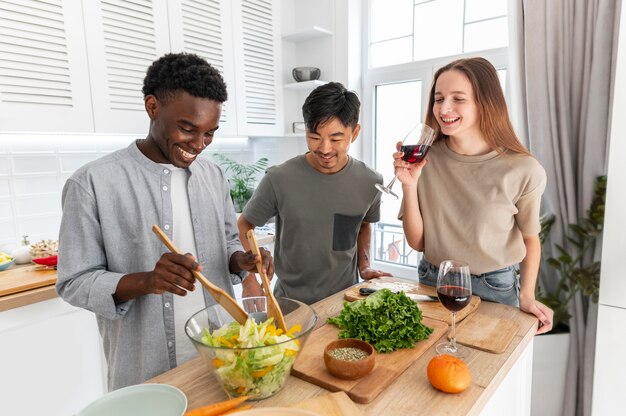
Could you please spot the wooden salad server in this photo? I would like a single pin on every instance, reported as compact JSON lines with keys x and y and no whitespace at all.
{"x":220,"y":296}
{"x":273,"y":310}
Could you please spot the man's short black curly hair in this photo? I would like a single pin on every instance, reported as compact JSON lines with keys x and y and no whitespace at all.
{"x":328,"y":101}
{"x":176,"y":72}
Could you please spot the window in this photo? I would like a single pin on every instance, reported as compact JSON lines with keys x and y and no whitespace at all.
{"x":416,"y":30}
{"x":407,"y":41}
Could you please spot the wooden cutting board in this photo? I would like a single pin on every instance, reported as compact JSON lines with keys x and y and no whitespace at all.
{"x":310,"y":363}
{"x":20,"y":279}
{"x":330,"y":404}
{"x":486,"y":333}
{"x":433,"y":310}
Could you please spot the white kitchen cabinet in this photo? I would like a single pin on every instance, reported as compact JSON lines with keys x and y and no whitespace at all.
{"x":77,"y":66}
{"x":123,"y":39}
{"x":204,"y":29}
{"x":256,"y":36}
{"x":44,"y":83}
{"x":52,"y":360}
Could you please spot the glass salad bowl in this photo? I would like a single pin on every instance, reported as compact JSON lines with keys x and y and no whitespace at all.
{"x":252,"y":359}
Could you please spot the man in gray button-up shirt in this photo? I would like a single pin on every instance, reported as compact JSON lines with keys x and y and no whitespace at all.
{"x":111,"y":263}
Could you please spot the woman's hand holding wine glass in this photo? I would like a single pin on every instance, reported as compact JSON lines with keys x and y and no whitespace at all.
{"x":454,"y":288}
{"x":411,"y":150}
{"x":406,"y":172}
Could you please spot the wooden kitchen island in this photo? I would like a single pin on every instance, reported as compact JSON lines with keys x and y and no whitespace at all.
{"x":500,"y":382}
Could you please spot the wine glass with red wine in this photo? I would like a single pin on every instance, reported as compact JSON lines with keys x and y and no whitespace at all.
{"x":415,"y":145}
{"x":454,"y":288}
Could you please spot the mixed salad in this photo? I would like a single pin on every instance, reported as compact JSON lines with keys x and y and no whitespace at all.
{"x":253,"y":359}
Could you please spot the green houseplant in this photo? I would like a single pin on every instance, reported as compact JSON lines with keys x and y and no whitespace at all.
{"x":242,"y":178}
{"x":577,"y":270}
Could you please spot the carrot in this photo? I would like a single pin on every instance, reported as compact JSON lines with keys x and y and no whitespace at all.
{"x":238,"y":409}
{"x":217,"y":408}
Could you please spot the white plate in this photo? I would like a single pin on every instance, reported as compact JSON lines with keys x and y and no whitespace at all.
{"x":277,"y":411}
{"x":142,"y":399}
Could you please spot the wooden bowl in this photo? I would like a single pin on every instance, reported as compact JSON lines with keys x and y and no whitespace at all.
{"x":349,"y":369}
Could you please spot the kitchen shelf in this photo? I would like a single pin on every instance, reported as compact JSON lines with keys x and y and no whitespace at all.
{"x":309,"y":33}
{"x":305,"y":85}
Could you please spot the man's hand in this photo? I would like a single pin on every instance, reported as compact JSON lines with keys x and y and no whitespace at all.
{"x":369,"y":273}
{"x":247,"y":261}
{"x":173,"y":273}
{"x":251,"y":287}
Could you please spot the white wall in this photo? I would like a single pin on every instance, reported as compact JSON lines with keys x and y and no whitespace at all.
{"x":34,"y":168}
{"x":610,"y":361}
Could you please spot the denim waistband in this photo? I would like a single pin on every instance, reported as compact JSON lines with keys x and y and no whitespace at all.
{"x":435,"y":269}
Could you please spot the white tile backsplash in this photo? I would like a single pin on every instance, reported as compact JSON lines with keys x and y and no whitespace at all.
{"x":5,"y":187}
{"x":35,"y":164}
{"x":6,"y":210}
{"x":44,"y":227}
{"x":34,"y":184}
{"x":5,"y":163}
{"x":73,"y":162}
{"x":34,"y":168}
{"x":38,"y":205}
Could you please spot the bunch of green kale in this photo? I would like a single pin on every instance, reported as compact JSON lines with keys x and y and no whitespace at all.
{"x":387,"y":320}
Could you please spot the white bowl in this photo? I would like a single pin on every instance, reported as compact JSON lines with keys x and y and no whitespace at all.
{"x":141,"y":399}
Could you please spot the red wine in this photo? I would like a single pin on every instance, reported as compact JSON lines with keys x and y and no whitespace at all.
{"x":454,"y":298}
{"x":414,"y":153}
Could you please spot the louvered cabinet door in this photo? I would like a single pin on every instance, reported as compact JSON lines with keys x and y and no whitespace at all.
{"x":123,"y":38}
{"x":204,"y":27}
{"x":256,"y":25}
{"x":44,"y":83}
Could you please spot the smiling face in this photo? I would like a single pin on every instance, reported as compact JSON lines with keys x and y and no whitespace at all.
{"x":455,"y":106}
{"x":329,"y":145}
{"x":180,"y":128}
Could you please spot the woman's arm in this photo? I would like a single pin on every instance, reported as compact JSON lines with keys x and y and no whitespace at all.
{"x":529,"y":269}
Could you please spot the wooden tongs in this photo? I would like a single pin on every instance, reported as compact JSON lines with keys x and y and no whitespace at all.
{"x":220,"y":296}
{"x":273,"y":309}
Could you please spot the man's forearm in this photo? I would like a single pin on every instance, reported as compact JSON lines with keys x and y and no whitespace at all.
{"x":364,"y":239}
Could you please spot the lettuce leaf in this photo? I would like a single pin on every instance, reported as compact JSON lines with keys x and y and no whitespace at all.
{"x":387,"y":320}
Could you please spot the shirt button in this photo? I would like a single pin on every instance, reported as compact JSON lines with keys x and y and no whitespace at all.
{"x":165,"y":188}
{"x":169,"y":344}
{"x":166,"y":171}
{"x":166,"y":226}
{"x":167,"y":304}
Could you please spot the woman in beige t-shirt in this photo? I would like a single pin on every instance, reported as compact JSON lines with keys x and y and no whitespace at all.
{"x":476,"y":196}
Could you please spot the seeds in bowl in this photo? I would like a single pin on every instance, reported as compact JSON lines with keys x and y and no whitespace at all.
{"x":348,"y":353}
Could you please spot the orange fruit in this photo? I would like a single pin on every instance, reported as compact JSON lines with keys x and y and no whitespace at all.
{"x":448,"y":374}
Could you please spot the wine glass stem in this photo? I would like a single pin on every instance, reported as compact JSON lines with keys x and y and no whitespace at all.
{"x":453,"y":338}
{"x":390,"y":184}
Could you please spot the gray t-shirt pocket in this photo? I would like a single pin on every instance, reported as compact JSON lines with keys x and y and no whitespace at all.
{"x":345,"y":231}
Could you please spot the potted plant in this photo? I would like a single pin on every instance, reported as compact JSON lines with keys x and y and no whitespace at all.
{"x":242,"y":178}
{"x":577,"y":270}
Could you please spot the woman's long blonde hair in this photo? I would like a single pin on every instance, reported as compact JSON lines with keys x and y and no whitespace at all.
{"x":494,"y":117}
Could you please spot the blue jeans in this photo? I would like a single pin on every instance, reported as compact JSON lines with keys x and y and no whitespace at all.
{"x":500,"y":286}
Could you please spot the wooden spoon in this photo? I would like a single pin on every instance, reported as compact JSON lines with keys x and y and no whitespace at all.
{"x":220,"y":296}
{"x":273,"y":310}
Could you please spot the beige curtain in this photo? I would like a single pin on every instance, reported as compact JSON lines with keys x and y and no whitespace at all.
{"x":562,"y":55}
